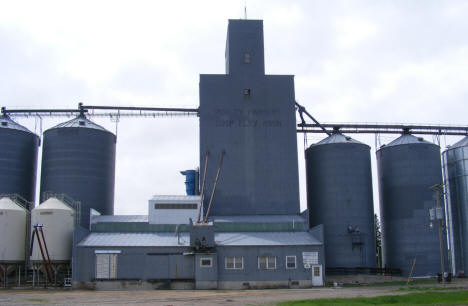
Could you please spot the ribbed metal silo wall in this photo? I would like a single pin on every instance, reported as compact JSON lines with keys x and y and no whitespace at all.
{"x":456,"y":179}
{"x":406,"y":172}
{"x":80,"y":162}
{"x":339,"y":195}
{"x":18,"y":163}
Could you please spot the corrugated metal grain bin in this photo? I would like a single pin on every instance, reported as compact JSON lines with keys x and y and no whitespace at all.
{"x":407,"y":167}
{"x":339,"y":196}
{"x":18,"y":159}
{"x":455,"y":160}
{"x":78,"y":160}
{"x":13,"y":220}
{"x":58,"y":221}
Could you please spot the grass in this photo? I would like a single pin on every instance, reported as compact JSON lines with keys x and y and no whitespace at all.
{"x":38,"y":300}
{"x":395,"y":283}
{"x":416,"y":288}
{"x":425,"y":298}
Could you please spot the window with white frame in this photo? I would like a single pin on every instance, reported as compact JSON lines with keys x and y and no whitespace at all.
{"x":234,"y":262}
{"x":206,"y":262}
{"x":267,"y":262}
{"x":291,"y":262}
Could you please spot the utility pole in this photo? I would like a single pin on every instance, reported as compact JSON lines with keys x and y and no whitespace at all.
{"x":436,"y":214}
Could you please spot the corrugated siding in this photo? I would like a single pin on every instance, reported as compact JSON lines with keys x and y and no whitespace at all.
{"x":266,"y":239}
{"x":142,"y":227}
{"x":222,"y":239}
{"x":134,"y":240}
{"x":181,"y":198}
{"x":121,"y":218}
{"x":259,"y":219}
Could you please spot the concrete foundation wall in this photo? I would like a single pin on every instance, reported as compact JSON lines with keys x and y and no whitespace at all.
{"x":363,"y":279}
{"x":134,"y":285}
{"x":230,"y":285}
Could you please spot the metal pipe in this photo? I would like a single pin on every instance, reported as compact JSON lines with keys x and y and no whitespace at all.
{"x":15,"y":111}
{"x":214,"y":186}
{"x":203,"y":186}
{"x":42,"y":252}
{"x":45,"y":246}
{"x":157,"y":109}
{"x":301,"y":109}
{"x":436,"y":188}
{"x":388,"y":126}
{"x":383,"y":131}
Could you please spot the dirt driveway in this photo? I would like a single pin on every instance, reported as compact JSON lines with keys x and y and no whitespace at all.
{"x":191,"y":297}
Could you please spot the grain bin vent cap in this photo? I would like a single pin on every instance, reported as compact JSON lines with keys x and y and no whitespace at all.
{"x":80,"y":122}
{"x":7,"y":123}
{"x":337,"y":138}
{"x":407,"y":139}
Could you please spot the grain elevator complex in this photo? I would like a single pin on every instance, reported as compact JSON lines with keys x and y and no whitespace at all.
{"x":240,"y":224}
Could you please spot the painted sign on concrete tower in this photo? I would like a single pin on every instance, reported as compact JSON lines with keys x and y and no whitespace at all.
{"x":250,"y":116}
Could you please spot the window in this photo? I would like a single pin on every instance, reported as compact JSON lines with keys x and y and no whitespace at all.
{"x":175,"y":206}
{"x":291,"y":262}
{"x":267,"y":262}
{"x":234,"y":263}
{"x":247,"y":58}
{"x":316,"y":271}
{"x":106,"y":266}
{"x":206,"y":262}
{"x":246,"y":93}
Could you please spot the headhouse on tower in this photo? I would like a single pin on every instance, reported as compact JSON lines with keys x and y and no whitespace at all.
{"x":251,"y":117}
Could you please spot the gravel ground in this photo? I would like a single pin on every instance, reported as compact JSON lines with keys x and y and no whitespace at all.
{"x":192,"y":297}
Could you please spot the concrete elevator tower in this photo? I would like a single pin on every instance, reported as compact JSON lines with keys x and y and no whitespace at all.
{"x":250,"y":116}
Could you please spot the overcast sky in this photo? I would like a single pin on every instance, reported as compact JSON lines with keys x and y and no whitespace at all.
{"x":353,"y":61}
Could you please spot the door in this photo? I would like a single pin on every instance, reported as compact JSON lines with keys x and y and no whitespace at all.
{"x":106,"y":266}
{"x":317,"y":279}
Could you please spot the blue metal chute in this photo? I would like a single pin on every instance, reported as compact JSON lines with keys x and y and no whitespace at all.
{"x":190,"y":181}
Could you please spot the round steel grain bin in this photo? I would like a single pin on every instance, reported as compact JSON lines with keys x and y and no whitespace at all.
{"x":407,"y":167}
{"x":78,"y":160}
{"x":18,"y":159}
{"x":339,"y":196}
{"x":455,"y":160}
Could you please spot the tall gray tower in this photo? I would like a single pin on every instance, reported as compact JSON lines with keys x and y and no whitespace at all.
{"x":250,"y":116}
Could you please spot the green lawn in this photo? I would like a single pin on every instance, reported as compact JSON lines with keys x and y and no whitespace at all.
{"x":394,"y":283}
{"x":426,"y":298}
{"x":416,"y":288}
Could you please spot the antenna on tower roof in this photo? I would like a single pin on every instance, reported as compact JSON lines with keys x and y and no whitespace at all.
{"x":245,"y":10}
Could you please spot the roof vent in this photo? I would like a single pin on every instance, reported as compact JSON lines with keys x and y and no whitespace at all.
{"x":82,"y":123}
{"x":4,"y":123}
{"x":420,"y":139}
{"x":348,"y":138}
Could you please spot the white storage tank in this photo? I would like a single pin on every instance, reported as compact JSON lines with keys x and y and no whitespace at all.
{"x":58,"y":220}
{"x":12,"y":231}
